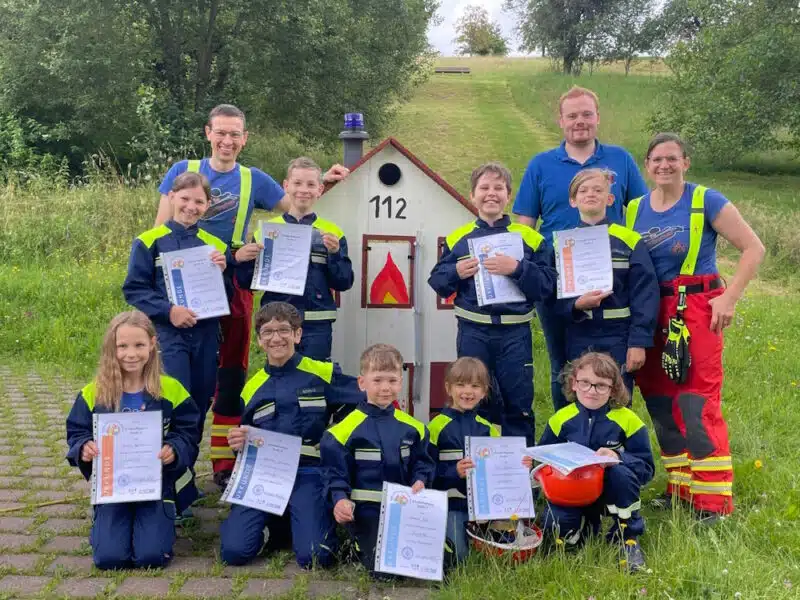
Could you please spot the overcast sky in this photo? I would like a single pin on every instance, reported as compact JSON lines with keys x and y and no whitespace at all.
{"x":441,"y":36}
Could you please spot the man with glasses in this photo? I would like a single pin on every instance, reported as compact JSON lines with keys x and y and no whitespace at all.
{"x":235,"y":191}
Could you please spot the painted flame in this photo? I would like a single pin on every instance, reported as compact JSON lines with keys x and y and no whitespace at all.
{"x":389,"y":286}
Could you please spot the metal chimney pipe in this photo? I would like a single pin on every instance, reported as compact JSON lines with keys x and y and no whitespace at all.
{"x":353,"y":138}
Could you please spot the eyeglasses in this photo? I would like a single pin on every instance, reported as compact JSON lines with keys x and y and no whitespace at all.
{"x":235,"y":135}
{"x":281,"y":331}
{"x":584,"y":385}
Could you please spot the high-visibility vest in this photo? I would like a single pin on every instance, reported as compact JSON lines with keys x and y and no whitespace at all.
{"x":245,"y":187}
{"x":697,"y":222}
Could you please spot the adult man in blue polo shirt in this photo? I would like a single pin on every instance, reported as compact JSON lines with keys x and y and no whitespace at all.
{"x":544,"y":196}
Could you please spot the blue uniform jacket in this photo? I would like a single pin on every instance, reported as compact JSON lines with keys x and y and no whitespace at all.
{"x":298,"y":399}
{"x":326,"y":271}
{"x":448,"y":431}
{"x":370,"y":446}
{"x":619,"y":429}
{"x":179,"y":413}
{"x":535,"y":274}
{"x":631,"y":311}
{"x":144,"y":286}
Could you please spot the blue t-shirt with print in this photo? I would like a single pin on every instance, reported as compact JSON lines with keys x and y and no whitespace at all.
{"x":220,"y":218}
{"x":544,"y":190}
{"x":666,"y":234}
{"x":132,"y":402}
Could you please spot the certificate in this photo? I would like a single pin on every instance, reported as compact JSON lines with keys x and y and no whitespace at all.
{"x":265,"y":470}
{"x":568,"y":457}
{"x":583,"y":260}
{"x":496,"y":289}
{"x":127,"y":467}
{"x":282,"y":266}
{"x":195,"y":282}
{"x":499,"y":487}
{"x":411,"y":532}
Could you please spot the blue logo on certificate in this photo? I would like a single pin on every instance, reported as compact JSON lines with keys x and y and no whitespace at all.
{"x":488,"y":286}
{"x":407,"y":553}
{"x":497,"y":499}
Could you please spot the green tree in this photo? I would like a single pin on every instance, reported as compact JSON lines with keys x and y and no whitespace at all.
{"x":631,"y":29}
{"x":123,"y":75}
{"x":478,"y":35}
{"x":560,"y":28}
{"x":736,"y":84}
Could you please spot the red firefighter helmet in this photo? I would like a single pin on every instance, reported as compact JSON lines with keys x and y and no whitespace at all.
{"x":581,"y":487}
{"x":498,"y":538}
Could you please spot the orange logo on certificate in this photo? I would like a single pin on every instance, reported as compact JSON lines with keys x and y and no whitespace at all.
{"x":484,"y":452}
{"x":257,"y":442}
{"x":177,"y":263}
{"x":400,"y":498}
{"x":273,"y":234}
{"x":569,"y":265}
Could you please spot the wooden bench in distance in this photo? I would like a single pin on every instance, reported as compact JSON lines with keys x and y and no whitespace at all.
{"x":462,"y":70}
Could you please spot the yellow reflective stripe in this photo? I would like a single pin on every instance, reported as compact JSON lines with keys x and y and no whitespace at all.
{"x":719,"y":488}
{"x":312,"y":403}
{"x":628,"y":420}
{"x":173,"y":390}
{"x":516,"y":319}
{"x":367,"y":454}
{"x":493,"y":432}
{"x":366,"y":496}
{"x":319,"y":315}
{"x":343,"y":430}
{"x":89,"y":393}
{"x":193,"y":166}
{"x":451,"y":455}
{"x":454,"y":493}
{"x":436,"y":427}
{"x":632,"y":211}
{"x":454,"y":236}
{"x":679,"y":478}
{"x":562,"y":416}
{"x":472,"y":316}
{"x":212,"y":240}
{"x":322,"y":369}
{"x":672,"y":462}
{"x":697,"y":222}
{"x":221,"y":430}
{"x":328,"y":227}
{"x":715,"y":463}
{"x":245,"y":185}
{"x":411,"y":421}
{"x":625,"y":234}
{"x":251,"y":387}
{"x":312,"y":451}
{"x":624,"y":513}
{"x":529,"y":235}
{"x":219,"y":452}
{"x":150,"y":236}
{"x":183,"y":480}
{"x":617,"y":313}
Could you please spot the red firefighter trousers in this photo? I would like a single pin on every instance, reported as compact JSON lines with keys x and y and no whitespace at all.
{"x":688,"y":419}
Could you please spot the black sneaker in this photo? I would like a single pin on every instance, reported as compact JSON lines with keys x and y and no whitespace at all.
{"x":221,"y":478}
{"x":632,"y":557}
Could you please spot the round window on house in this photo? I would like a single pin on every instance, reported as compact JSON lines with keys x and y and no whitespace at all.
{"x":389,"y":174}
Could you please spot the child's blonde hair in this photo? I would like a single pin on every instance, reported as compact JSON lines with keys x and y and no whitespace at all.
{"x":108,"y":380}
{"x":381,"y":357}
{"x":587,"y":174}
{"x":467,"y":370}
{"x":603,"y":366}
{"x":188,"y":180}
{"x":493,"y":168}
{"x":303,"y":162}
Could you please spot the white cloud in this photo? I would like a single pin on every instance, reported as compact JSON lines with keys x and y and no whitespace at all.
{"x":441,"y":36}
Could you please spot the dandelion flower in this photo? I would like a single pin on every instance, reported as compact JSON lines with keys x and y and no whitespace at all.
{"x":631,"y":542}
{"x":559,"y":542}
{"x":758,"y":464}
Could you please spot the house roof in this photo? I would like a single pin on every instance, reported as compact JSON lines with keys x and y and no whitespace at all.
{"x":419,"y":164}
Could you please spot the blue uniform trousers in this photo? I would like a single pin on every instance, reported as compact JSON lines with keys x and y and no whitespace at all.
{"x":616,"y":346}
{"x":364,"y":529}
{"x":313,"y":529}
{"x":317,"y":340}
{"x":620,"y":499}
{"x":507,"y":352}
{"x":457,"y":544}
{"x":554,"y":327}
{"x":136,"y":534}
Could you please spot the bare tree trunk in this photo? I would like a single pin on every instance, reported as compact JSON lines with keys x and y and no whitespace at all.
{"x":204,"y":59}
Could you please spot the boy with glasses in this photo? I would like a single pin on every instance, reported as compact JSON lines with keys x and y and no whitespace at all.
{"x":293,"y":395}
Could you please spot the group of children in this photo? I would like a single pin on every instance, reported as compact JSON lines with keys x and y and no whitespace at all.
{"x":353,"y":435}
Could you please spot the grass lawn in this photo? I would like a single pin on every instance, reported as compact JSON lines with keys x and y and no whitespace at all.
{"x":64,"y":255}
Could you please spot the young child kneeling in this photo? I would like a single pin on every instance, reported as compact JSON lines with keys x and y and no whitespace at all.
{"x":467,"y":384}
{"x":600,"y":421}
{"x":373,"y":444}
{"x":129,"y":379}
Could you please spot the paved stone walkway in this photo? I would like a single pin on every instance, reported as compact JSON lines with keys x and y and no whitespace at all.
{"x":45,"y":520}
